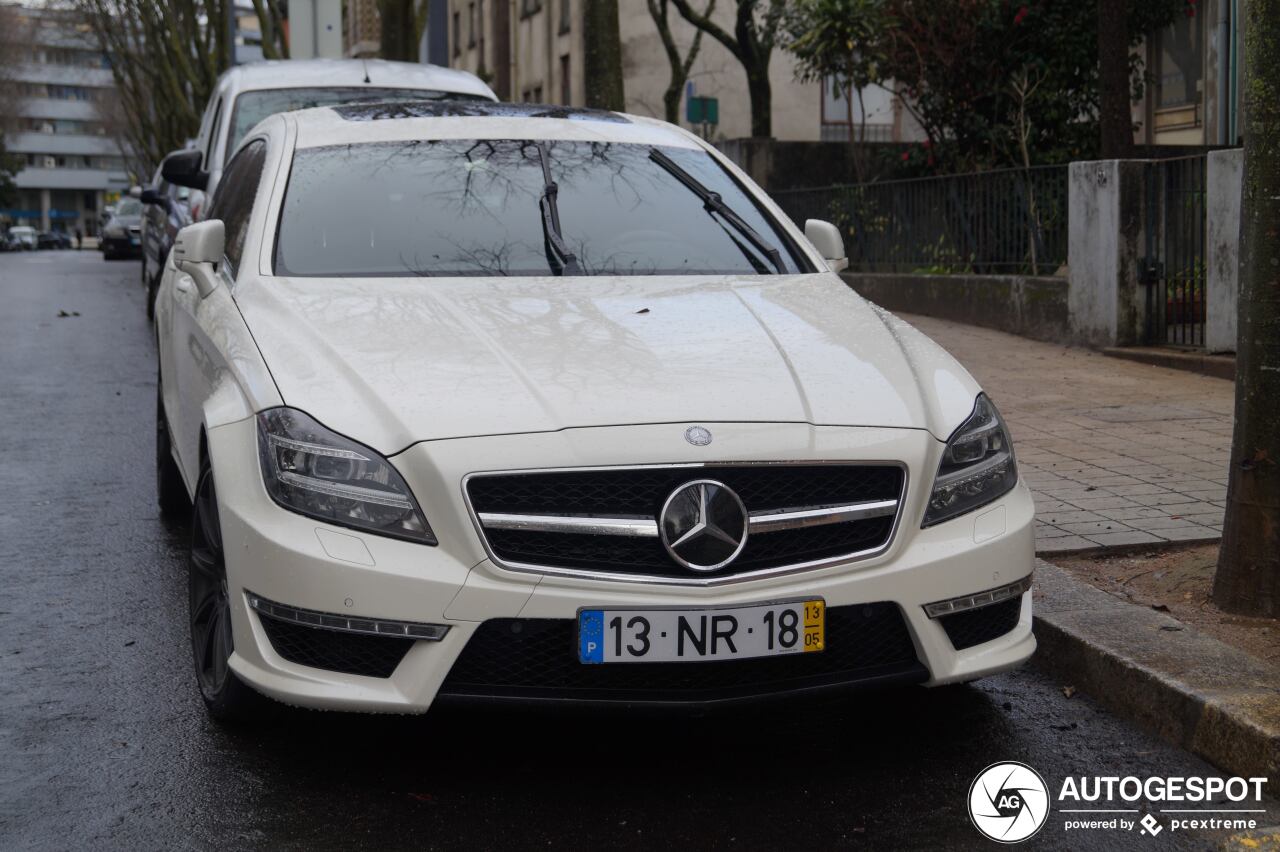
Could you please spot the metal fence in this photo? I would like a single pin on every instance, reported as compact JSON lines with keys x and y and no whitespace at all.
{"x":1173,"y":268}
{"x":1005,"y":221}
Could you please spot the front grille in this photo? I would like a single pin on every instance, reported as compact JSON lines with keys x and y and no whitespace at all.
{"x":641,"y":492}
{"x":975,"y":626}
{"x":536,"y":658}
{"x":350,"y":653}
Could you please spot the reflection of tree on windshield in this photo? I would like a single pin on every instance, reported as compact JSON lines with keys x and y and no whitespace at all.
{"x":472,"y":207}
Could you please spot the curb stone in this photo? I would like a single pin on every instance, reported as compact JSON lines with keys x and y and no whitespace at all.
{"x":1194,"y":691}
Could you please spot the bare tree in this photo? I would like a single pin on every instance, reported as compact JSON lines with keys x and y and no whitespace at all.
{"x":13,"y":38}
{"x":1248,"y":576}
{"x":602,"y":59}
{"x":400,"y":26}
{"x":166,"y":56}
{"x":756,"y":27}
{"x":271,"y":20}
{"x":1114,"y":90}
{"x":680,"y":66}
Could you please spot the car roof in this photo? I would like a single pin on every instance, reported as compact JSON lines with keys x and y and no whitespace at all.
{"x":332,"y":73}
{"x":418,"y":120}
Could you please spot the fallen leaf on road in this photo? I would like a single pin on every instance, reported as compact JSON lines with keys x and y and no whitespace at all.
{"x":1068,"y":691}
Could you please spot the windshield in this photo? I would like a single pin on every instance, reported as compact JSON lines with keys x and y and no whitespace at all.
{"x":475,"y":207}
{"x":251,"y":107}
{"x":128,"y":207}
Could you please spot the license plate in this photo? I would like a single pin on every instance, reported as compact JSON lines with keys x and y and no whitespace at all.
{"x":692,"y":635}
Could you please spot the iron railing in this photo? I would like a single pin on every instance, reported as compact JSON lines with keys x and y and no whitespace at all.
{"x":1173,"y":269}
{"x":1004,"y":221}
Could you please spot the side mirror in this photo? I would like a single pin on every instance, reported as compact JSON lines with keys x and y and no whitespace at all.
{"x":183,"y":168}
{"x":827,"y":240}
{"x":151,"y":196}
{"x":197,"y":251}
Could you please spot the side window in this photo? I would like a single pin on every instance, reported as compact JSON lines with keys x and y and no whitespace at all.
{"x":233,"y":200}
{"x":211,"y":143}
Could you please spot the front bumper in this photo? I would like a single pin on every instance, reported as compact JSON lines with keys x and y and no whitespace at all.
{"x":121,"y":246}
{"x":287,"y":558}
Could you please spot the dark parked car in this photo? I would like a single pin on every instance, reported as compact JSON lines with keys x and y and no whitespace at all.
{"x":122,"y":235}
{"x":166,"y":210}
{"x":53,"y":240}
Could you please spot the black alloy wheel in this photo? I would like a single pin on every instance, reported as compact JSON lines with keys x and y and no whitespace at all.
{"x":226,"y":697}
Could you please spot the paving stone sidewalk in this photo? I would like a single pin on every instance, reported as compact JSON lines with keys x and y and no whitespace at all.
{"x":1116,"y":452}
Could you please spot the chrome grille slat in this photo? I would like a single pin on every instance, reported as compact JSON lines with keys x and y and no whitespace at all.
{"x":758,"y":522}
{"x":602,"y":523}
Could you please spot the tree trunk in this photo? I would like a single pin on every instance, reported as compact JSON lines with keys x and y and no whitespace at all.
{"x":1248,"y":576}
{"x":1114,"y":92}
{"x":397,"y":25}
{"x":761,"y":94}
{"x":603,"y":57}
{"x":671,"y":101}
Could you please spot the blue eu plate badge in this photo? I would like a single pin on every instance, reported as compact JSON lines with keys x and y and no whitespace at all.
{"x":591,"y":636}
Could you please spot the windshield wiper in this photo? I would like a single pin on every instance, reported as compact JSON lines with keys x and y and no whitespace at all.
{"x":557,"y":250}
{"x":713,"y":203}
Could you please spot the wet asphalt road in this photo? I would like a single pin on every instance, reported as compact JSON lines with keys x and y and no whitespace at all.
{"x":104,"y":742}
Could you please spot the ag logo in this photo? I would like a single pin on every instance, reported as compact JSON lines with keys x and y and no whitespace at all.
{"x":1008,"y":802}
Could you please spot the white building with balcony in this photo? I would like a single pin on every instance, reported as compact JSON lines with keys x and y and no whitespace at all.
{"x":59,"y":126}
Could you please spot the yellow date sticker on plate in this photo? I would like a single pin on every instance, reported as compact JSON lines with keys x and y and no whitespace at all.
{"x":815,"y":625}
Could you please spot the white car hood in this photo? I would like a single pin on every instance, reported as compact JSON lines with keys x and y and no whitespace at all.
{"x":391,"y":362}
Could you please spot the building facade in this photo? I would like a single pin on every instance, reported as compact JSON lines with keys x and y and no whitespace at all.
{"x":532,"y":50}
{"x":1194,"y":96}
{"x":58,"y":125}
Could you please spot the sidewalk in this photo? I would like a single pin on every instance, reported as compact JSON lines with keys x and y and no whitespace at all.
{"x":1117,"y":453}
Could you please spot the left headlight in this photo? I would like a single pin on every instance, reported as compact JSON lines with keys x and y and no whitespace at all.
{"x":977,"y":466}
{"x":114,"y":231}
{"x":316,"y":472}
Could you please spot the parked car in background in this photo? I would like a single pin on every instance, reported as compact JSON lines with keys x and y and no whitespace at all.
{"x":510,"y":402}
{"x":122,"y":235}
{"x":25,"y":236}
{"x":246,"y":94}
{"x":54,"y":240}
{"x":8,"y":242}
{"x":166,"y":209}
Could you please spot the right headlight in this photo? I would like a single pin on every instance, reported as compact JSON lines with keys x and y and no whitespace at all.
{"x":316,"y":472}
{"x":977,"y":466}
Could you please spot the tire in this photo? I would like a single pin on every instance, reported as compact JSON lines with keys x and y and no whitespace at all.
{"x":171,"y":491}
{"x":227,"y":699}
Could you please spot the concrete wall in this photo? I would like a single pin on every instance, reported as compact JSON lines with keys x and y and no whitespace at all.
{"x":1105,"y":301}
{"x":1031,"y":307}
{"x":1222,"y":245}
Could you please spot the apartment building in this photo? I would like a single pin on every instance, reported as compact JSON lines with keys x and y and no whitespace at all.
{"x":532,"y":50}
{"x":58,"y":124}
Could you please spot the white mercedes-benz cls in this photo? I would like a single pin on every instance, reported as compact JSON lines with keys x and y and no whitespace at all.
{"x":491,"y":402}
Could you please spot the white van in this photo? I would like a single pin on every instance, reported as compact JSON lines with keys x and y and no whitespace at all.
{"x":246,"y":94}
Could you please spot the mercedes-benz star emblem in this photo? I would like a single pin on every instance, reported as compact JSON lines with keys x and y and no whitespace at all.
{"x":699,"y":436}
{"x":703,"y":525}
